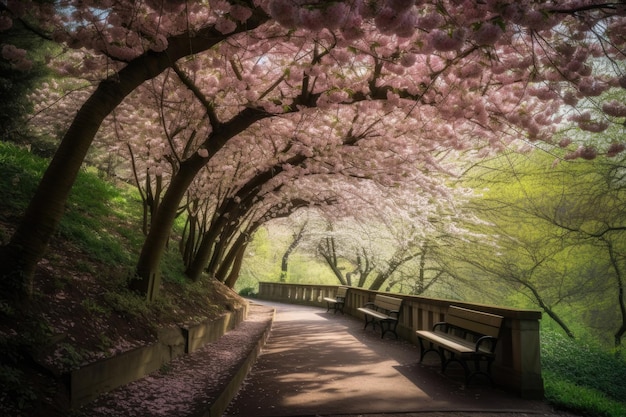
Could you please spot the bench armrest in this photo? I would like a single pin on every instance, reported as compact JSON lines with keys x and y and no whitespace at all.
{"x":487,"y":339}
{"x":369,"y":305}
{"x":394,"y":314}
{"x":441,"y":324}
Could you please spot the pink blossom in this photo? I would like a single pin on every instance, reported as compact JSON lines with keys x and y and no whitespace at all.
{"x":408,"y":60}
{"x":337,"y":96}
{"x":312,"y":19}
{"x":399,"y":5}
{"x":240,"y":13}
{"x":543,"y":93}
{"x":159,"y":44}
{"x":534,"y":20}
{"x":285,"y":12}
{"x":590,"y":87}
{"x":203,"y":153}
{"x":614,"y":108}
{"x":587,"y":152}
{"x":570,"y":98}
{"x":335,"y":15}
{"x":594,"y":127}
{"x":442,"y":41}
{"x":487,"y":34}
{"x":565,"y":142}
{"x":220,"y":5}
{"x":406,"y":25}
{"x":387,"y":19}
{"x":615,"y":149}
{"x":430,"y":21}
{"x":5,"y":23}
{"x":351,"y":29}
{"x":225,"y":25}
{"x":12,"y":53}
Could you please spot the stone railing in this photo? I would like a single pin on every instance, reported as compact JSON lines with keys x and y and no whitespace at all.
{"x":518,"y":356}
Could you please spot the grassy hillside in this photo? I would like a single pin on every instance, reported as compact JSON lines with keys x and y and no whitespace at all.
{"x":81,"y":310}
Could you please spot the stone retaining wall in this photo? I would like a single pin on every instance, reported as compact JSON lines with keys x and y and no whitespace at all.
{"x":95,"y":378}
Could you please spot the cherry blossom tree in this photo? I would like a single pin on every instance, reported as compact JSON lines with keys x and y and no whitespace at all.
{"x":450,"y":75}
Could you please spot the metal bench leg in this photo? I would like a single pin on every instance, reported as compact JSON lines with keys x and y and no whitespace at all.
{"x":338,"y":307}
{"x":431,"y":348}
{"x":478,"y":370}
{"x":388,"y":326}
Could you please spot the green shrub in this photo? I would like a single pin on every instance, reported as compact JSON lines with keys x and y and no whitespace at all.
{"x":248,"y":292}
{"x":583,"y":378}
{"x":580,"y":399}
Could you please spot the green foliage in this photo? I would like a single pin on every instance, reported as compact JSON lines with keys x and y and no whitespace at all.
{"x":583,"y":378}
{"x":554,"y":227}
{"x":584,"y":400}
{"x":15,"y":389}
{"x":93,"y":307}
{"x":71,"y":358}
{"x":99,"y":213}
{"x":248,"y":291}
{"x":15,"y":84}
{"x":263,"y":263}
{"x":127,"y":303}
{"x":20,"y":172}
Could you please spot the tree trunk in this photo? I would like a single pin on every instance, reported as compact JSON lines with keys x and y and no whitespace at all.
{"x":20,"y":257}
{"x":163,"y":221}
{"x":228,"y":262}
{"x":292,"y":246}
{"x":208,"y":246}
{"x":147,"y":279}
{"x":620,"y":296}
{"x":233,"y":276}
{"x":43,"y":215}
{"x":394,"y":264}
{"x":326,"y":248}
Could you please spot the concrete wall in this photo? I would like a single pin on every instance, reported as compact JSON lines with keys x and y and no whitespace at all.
{"x":93,"y":379}
{"x":517,"y":367}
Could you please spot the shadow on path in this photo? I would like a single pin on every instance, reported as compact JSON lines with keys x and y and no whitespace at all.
{"x":318,"y":363}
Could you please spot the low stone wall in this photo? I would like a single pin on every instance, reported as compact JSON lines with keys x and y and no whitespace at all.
{"x":517,"y":367}
{"x":93,"y":379}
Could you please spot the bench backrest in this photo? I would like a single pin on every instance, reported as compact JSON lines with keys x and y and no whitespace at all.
{"x":387,"y":303}
{"x":341,"y":292}
{"x":475,"y":321}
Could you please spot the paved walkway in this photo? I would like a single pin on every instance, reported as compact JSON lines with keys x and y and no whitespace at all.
{"x":317,"y":363}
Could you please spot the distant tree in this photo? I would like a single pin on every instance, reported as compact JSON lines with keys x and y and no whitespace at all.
{"x":555,"y":233}
{"x":296,"y":238}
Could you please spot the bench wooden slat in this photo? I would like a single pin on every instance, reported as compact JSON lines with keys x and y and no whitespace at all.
{"x":475,"y":321}
{"x":373,"y":313}
{"x":465,"y":335}
{"x":385,"y":310}
{"x":338,"y":302}
{"x":454,"y":343}
{"x":388,"y":303}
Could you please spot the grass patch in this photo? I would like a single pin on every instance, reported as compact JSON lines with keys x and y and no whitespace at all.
{"x":101,"y":217}
{"x":583,"y":378}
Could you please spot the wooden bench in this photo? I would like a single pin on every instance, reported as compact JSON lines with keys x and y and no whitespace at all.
{"x":338,"y":302}
{"x":385,"y":310}
{"x":465,"y":336}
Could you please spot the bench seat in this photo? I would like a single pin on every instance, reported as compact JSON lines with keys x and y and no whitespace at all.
{"x":466,"y":336}
{"x":384,"y":310}
{"x":338,"y":302}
